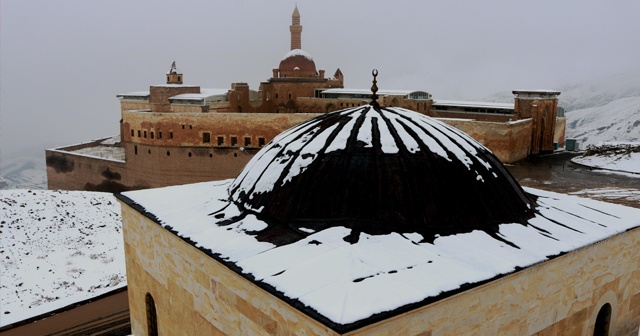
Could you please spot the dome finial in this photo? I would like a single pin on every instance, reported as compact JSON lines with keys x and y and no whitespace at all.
{"x":374,"y":89}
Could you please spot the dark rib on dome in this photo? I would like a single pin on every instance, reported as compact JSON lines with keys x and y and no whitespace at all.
{"x":380,"y":170}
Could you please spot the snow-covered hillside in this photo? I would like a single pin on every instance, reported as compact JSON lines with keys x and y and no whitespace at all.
{"x":600,"y":91}
{"x":617,"y":121}
{"x":57,"y":248}
{"x":25,"y":172}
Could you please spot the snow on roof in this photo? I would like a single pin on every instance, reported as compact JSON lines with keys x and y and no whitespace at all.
{"x":134,"y":94}
{"x":58,"y":248}
{"x":547,"y":91}
{"x":346,"y":283}
{"x":297,"y":52}
{"x":463,"y":103}
{"x":204,"y":93}
{"x":368,"y":92}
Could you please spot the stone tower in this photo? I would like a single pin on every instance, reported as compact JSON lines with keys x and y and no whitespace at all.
{"x":541,"y":107}
{"x":173,"y":75}
{"x":296,"y":30}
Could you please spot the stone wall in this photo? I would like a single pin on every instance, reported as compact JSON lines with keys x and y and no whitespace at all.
{"x":71,"y":171}
{"x":508,"y":141}
{"x":196,"y":295}
{"x":187,"y":129}
{"x":159,"y":95}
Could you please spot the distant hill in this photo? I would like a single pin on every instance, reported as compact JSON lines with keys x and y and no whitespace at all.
{"x":616,"y":121}
{"x":600,"y":91}
{"x":26,"y":172}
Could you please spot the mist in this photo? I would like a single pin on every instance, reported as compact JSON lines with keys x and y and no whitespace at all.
{"x":62,"y":63}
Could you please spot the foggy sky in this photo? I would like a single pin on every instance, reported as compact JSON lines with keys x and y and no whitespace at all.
{"x":63,"y":62}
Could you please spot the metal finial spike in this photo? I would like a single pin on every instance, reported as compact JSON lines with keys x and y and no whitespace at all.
{"x":374,"y":89}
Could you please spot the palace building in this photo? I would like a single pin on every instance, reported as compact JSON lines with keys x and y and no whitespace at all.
{"x":378,"y":221}
{"x":176,"y":133}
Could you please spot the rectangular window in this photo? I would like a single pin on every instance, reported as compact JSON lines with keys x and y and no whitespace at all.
{"x":260,"y":141}
{"x":145,"y":134}
{"x":234,"y":141}
{"x":206,"y":137}
{"x":135,"y":150}
{"x":220,"y":141}
{"x":159,"y":135}
{"x":152,"y":135}
{"x":170,"y":135}
{"x":247,"y":141}
{"x":132,"y":133}
{"x":138,"y":133}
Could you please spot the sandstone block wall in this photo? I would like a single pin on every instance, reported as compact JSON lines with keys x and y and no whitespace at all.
{"x":508,"y":141}
{"x":196,"y":295}
{"x":69,"y":171}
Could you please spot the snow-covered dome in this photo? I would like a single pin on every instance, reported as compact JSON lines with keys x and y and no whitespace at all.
{"x":380,"y":170}
{"x":297,"y":52}
{"x":299,"y":59}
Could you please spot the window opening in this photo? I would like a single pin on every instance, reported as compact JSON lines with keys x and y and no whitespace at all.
{"x":159,"y":135}
{"x":603,"y":321}
{"x":260,"y":141}
{"x":234,"y":141}
{"x":206,"y":137}
{"x":132,"y":133}
{"x":220,"y":141}
{"x":135,"y":149}
{"x":170,"y":135}
{"x":152,"y":316}
{"x":151,"y":135}
{"x":247,"y":141}
{"x":145,"y":134}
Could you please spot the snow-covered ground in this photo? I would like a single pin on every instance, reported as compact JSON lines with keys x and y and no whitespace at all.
{"x":57,"y":248}
{"x":626,"y":163}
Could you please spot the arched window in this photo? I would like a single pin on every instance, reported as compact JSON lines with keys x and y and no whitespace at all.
{"x":603,"y":321}
{"x":152,"y":316}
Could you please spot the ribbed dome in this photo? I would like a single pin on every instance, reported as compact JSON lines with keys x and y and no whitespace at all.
{"x":380,"y":170}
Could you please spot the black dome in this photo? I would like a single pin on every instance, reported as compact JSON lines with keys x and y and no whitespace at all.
{"x":380,"y":170}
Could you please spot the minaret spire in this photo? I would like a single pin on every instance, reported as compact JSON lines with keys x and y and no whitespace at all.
{"x":296,"y":30}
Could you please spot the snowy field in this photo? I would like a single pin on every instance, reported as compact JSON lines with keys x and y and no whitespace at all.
{"x":620,"y":162}
{"x":57,"y":248}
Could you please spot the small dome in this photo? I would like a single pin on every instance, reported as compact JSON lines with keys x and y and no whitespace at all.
{"x":300,"y":59}
{"x":380,"y":170}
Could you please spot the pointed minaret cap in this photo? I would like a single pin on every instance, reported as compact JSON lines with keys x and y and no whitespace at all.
{"x":295,"y":12}
{"x":173,"y":75}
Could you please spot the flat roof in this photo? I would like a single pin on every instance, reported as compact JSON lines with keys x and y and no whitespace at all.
{"x":134,"y":94}
{"x":368,"y":92}
{"x":463,"y":103}
{"x":204,"y":93}
{"x":346,"y":286}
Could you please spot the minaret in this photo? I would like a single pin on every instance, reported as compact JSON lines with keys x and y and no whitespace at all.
{"x":296,"y":30}
{"x":173,"y":75}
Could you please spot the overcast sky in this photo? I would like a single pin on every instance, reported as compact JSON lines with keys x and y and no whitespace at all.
{"x":63,"y":62}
